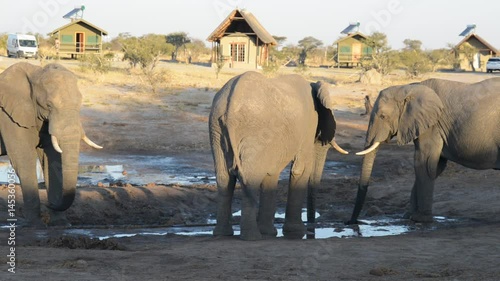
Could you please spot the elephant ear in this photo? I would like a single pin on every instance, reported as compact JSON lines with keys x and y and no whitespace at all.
{"x":323,"y":102}
{"x":421,"y":110}
{"x":15,"y":99}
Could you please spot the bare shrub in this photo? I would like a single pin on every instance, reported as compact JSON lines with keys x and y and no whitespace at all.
{"x":95,"y":63}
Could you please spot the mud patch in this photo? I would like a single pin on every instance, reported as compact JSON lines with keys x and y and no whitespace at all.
{"x":81,"y":243}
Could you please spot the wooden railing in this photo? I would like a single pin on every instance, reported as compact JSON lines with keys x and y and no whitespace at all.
{"x":348,"y":57}
{"x":79,"y":48}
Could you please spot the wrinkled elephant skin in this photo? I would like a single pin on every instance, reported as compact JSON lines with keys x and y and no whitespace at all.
{"x":257,"y":126}
{"x":40,"y":120}
{"x":447,"y":121}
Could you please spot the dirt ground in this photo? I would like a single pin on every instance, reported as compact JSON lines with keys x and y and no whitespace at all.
{"x":120,"y":113}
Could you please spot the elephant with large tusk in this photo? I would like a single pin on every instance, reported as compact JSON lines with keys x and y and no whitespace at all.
{"x":40,"y":120}
{"x":447,"y":121}
{"x":259,"y":125}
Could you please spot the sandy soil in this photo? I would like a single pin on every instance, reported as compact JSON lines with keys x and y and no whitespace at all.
{"x":127,"y":119}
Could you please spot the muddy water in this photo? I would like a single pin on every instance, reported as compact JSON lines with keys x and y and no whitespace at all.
{"x":366,"y":228}
{"x":159,"y":169}
{"x":182,"y":170}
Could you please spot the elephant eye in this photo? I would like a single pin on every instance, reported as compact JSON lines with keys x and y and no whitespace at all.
{"x":382,"y":116}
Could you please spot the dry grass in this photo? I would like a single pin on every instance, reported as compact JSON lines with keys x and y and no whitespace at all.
{"x":122,"y":84}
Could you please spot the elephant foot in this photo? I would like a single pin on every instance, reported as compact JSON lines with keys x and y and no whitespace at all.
{"x":223,"y":230}
{"x":419,"y":217}
{"x":351,"y":222}
{"x":294,"y":231}
{"x":250,"y":235}
{"x":268,"y":230}
{"x":58,"y":219}
{"x":32,"y":219}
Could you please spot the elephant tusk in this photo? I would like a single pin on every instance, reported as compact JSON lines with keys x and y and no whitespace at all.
{"x":370,"y":149}
{"x":334,"y":144}
{"x":55,"y":144}
{"x":91,"y":143}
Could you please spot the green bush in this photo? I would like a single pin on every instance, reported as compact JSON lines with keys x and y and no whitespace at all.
{"x":156,"y":78}
{"x":95,"y":63}
{"x":415,"y":63}
{"x":271,"y":68}
{"x":144,"y":51}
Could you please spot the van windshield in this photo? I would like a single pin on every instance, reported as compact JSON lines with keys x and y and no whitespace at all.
{"x":27,"y":43}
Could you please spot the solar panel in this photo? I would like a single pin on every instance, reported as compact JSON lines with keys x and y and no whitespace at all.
{"x":469,"y":29}
{"x":74,"y":12}
{"x":351,"y":28}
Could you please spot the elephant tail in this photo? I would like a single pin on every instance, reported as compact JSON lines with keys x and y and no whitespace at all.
{"x":233,"y":145}
{"x":236,"y":161}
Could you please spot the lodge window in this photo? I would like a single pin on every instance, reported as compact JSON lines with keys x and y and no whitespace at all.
{"x":238,"y":51}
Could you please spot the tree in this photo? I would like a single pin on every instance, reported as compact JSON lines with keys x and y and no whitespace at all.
{"x":280,"y":40}
{"x":195,"y":49}
{"x":308,"y":44}
{"x":145,"y":50}
{"x":469,"y":52}
{"x":411,"y":45}
{"x":413,"y":59}
{"x":276,"y":55}
{"x":177,"y":39}
{"x":3,"y":42}
{"x":219,"y":63}
{"x":383,"y":58}
{"x":290,"y":52}
{"x":440,"y":57}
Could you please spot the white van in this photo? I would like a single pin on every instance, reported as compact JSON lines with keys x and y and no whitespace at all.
{"x":22,"y":46}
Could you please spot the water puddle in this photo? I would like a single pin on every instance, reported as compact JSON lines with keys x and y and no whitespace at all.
{"x":159,"y":169}
{"x":144,"y":169}
{"x":367,"y":228}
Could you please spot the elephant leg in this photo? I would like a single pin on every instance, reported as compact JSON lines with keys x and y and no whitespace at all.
{"x":57,"y":218}
{"x":428,"y":166}
{"x":299,"y":177}
{"x":248,"y":224}
{"x":20,"y":146}
{"x":267,"y":207}
{"x":225,"y":189}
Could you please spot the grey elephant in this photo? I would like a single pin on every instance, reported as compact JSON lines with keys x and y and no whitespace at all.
{"x":40,"y":119}
{"x":257,"y":127}
{"x":447,"y":121}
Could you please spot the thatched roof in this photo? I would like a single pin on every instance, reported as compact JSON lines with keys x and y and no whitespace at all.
{"x":487,"y":46}
{"x":83,"y":22}
{"x":242,"y":21}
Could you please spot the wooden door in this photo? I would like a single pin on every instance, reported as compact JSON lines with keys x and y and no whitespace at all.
{"x":80,"y":42}
{"x":356,"y":52}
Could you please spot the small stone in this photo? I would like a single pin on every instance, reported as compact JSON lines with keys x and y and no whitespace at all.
{"x":81,"y":264}
{"x":381,"y":271}
{"x":377,"y":272}
{"x":371,"y":77}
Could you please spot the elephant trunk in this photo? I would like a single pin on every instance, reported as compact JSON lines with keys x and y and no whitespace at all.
{"x":61,"y":163}
{"x":320,"y":152}
{"x":63,"y":175}
{"x":366,"y":171}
